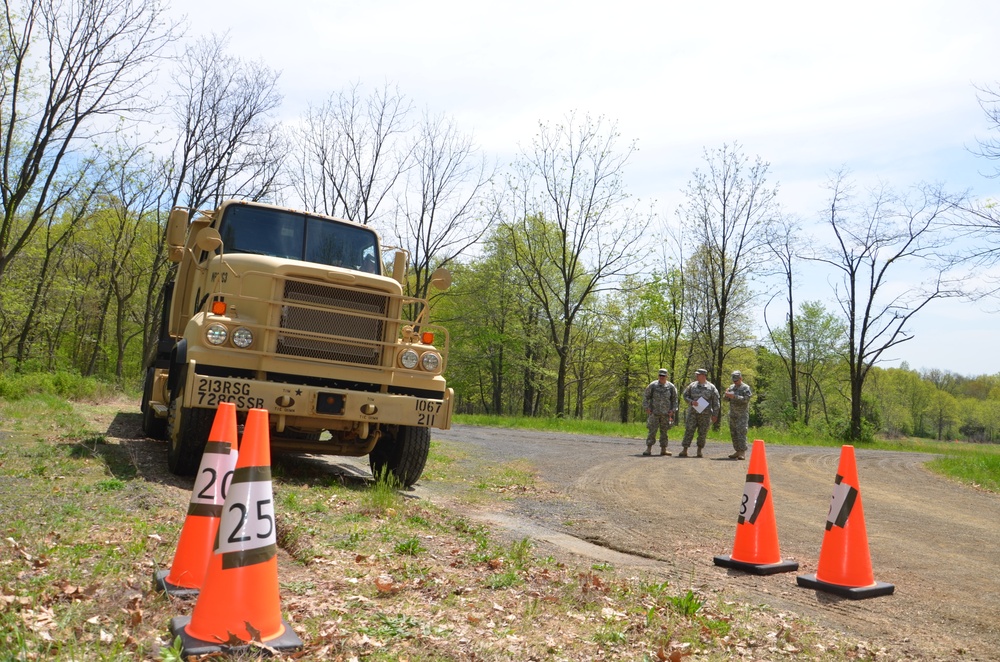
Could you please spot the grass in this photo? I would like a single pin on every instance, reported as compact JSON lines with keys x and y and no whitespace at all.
{"x":365,"y":571}
{"x":553,"y":424}
{"x":973,"y":467}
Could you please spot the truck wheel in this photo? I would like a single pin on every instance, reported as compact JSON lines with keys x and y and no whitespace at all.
{"x":151,"y":425}
{"x":403,"y":452}
{"x":187,"y":431}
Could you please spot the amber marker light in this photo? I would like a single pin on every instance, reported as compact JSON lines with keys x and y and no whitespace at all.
{"x":427,"y":338}
{"x":218,"y":307}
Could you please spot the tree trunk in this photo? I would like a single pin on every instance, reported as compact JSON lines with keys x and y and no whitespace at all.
{"x":793,"y":370}
{"x":856,"y":384}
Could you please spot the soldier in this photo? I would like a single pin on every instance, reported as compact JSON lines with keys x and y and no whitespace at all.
{"x":739,"y":414}
{"x":703,"y":410}
{"x":660,"y":402}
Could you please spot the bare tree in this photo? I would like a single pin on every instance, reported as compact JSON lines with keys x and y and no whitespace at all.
{"x":439,"y":215}
{"x":728,"y":218}
{"x":228,"y":144}
{"x":66,"y":68}
{"x":979,"y":220}
{"x":573,"y":219}
{"x":871,"y":244}
{"x":785,"y":245}
{"x":989,"y":148}
{"x":351,"y":153}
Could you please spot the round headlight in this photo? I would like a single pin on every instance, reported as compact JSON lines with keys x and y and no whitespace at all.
{"x":408,"y":359}
{"x":430,"y":361}
{"x":242,"y":337}
{"x":216,"y":334}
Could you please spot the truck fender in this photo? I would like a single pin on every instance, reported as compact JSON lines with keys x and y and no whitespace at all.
{"x":178,"y":366}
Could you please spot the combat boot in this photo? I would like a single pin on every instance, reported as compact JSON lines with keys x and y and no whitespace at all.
{"x":664,"y":451}
{"x":699,"y":453}
{"x":736,"y":456}
{"x":649,"y":450}
{"x":683,"y":453}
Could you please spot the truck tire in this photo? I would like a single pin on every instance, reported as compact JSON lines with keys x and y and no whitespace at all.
{"x":151,"y":425}
{"x":403,"y":453}
{"x":187,"y":433}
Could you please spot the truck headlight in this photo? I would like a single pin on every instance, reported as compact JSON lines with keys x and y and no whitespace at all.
{"x":242,"y":337}
{"x":216,"y":334}
{"x":408,"y":359}
{"x":430,"y":361}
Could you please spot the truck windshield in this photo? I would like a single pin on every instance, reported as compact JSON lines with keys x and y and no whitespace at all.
{"x":279,"y":233}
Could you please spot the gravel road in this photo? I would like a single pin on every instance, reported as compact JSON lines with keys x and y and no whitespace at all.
{"x":938,"y":542}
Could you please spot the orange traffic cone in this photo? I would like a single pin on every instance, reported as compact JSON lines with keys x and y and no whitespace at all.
{"x":756,"y":547}
{"x":845,"y":566}
{"x":194,"y":549}
{"x":239,"y":601}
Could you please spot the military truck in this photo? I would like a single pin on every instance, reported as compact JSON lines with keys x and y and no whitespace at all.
{"x":293,"y":312}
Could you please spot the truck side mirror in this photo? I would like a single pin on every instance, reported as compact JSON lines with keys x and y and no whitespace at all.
{"x":208,"y":239}
{"x":177,"y":224}
{"x":441,"y":278}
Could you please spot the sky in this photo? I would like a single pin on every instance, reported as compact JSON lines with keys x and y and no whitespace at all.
{"x":884,"y":89}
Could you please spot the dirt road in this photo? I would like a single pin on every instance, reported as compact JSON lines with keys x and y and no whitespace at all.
{"x":936,"y":541}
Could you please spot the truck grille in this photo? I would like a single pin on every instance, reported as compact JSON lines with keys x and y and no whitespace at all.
{"x":351,"y":322}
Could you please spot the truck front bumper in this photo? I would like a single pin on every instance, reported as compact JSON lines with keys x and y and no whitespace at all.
{"x":316,"y":407}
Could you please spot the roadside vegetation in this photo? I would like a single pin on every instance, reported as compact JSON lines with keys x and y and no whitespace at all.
{"x":366,"y":572}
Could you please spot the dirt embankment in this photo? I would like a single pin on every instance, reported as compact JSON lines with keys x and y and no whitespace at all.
{"x":938,"y":542}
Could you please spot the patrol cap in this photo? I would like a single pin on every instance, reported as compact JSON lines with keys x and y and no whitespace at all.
{"x":701,"y":371}
{"x":737,"y":373}
{"x":663,"y":371}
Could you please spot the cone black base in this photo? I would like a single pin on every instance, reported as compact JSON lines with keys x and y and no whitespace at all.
{"x":851,"y":592}
{"x":287,"y":641}
{"x":160,"y":583}
{"x":757,"y":568}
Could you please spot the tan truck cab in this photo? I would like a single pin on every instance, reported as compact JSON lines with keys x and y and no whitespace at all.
{"x":291,"y":312}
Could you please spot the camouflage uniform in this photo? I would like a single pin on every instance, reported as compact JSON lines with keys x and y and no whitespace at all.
{"x":695,"y":421}
{"x":739,"y":415}
{"x":660,"y":400}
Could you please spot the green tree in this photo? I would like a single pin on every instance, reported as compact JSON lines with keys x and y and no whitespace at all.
{"x":570,"y":213}
{"x":819,"y":341}
{"x":630,"y":313}
{"x":945,"y":413}
{"x":44,"y":256}
{"x":497,"y":349}
{"x":889,"y":389}
{"x":660,"y":320}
